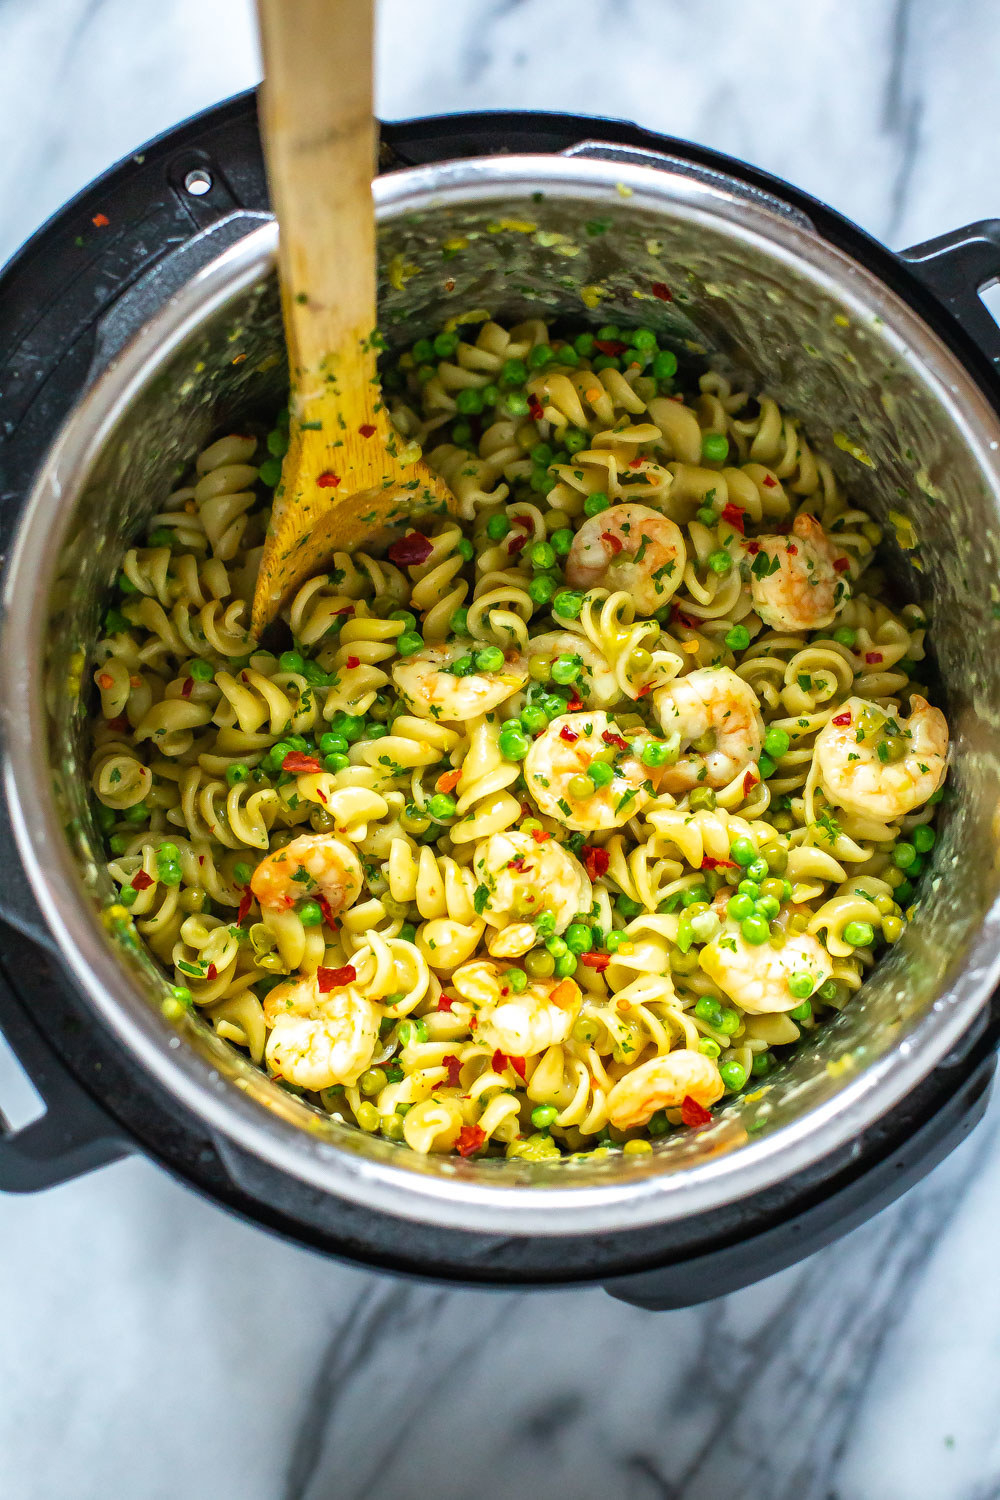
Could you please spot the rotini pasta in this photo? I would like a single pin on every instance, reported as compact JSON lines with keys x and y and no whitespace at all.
{"x":559,"y":823}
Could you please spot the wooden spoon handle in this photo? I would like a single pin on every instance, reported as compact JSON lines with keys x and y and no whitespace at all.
{"x":319,"y":137}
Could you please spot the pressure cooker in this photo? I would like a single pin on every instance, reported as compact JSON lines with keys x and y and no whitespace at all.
{"x":143,"y":319}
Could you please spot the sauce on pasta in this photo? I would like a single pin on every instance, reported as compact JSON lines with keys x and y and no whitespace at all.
{"x":564,"y":820}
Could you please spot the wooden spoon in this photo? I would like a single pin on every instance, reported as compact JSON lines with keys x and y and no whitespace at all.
{"x":347,"y":477}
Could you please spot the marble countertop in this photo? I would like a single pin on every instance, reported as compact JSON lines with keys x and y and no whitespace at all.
{"x":153,"y":1348}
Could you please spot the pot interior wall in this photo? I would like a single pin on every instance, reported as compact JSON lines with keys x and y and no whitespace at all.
{"x":732,"y":302}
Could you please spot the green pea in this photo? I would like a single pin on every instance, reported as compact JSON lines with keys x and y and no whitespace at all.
{"x":376,"y":731}
{"x":104,"y":817}
{"x":730,"y":1021}
{"x":269,"y":472}
{"x":757,"y":869}
{"x":566,"y":669}
{"x":332,"y":744}
{"x":373,"y":1081}
{"x":683,"y":963}
{"x":441,"y":806}
{"x":657,"y":753}
{"x":408,"y":933}
{"x":665,"y":365}
{"x":733,"y":1075}
{"x":291,"y":661}
{"x":128,"y":895}
{"x":859,"y":934}
{"x":904,"y":855}
{"x":720,"y":561}
{"x":461,"y":434}
{"x":584,"y":345}
{"x":800,"y":984}
{"x":242,"y":873}
{"x":892,"y":928}
{"x":351,"y":726}
{"x":776,"y":741}
{"x":126,"y":585}
{"x":136,"y":814}
{"x":556,"y":946}
{"x":596,"y":503}
{"x":739,"y":907}
{"x":469,"y":402}
{"x":409,"y":643}
{"x":845,"y":636}
{"x":565,"y":966}
{"x":606,"y":362}
{"x":541,"y":556}
{"x":514,"y":372}
{"x":540,"y":964}
{"x":533,"y":718}
{"x":801,"y":1012}
{"x":408,"y":621}
{"x":513,"y":742}
{"x":114,"y":622}
{"x":201,"y":671}
{"x":543,"y":1115}
{"x":579,"y":938}
{"x":490,"y":659}
{"x":117,"y":843}
{"x":445,"y":345}
{"x":749,"y":888}
{"x":743,"y":851}
{"x":904,"y":892}
{"x":553,"y":705}
{"x":574,"y":441}
{"x":923,"y":838}
{"x":738,"y":638}
{"x":702,"y":799}
{"x":542,"y":481}
{"x":561,"y":541}
{"x":707,"y":516}
{"x":600,"y":773}
{"x":715,"y":448}
{"x":459,"y":621}
{"x":310,"y":913}
{"x":517,"y":979}
{"x":463,"y":666}
{"x":567,"y":603}
{"x":516,"y":403}
{"x":422,"y":351}
{"x":710,"y":1011}
{"x":497,"y":527}
{"x":755,"y":930}
{"x":705,"y":925}
{"x":181,"y":994}
{"x":542,"y":588}
{"x":236,"y":773}
{"x":580,"y":787}
{"x":540,"y":355}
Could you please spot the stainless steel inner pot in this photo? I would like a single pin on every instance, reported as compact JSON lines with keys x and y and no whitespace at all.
{"x":755,"y":290}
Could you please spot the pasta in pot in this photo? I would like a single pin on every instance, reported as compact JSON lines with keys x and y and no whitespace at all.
{"x":562,"y":822}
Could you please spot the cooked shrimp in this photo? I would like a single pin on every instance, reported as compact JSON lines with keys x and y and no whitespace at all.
{"x":318,"y":1039}
{"x":520,"y":1024}
{"x":434,"y":690}
{"x":755,"y":977}
{"x":525,"y":879}
{"x":629,"y":547}
{"x":312,"y":864}
{"x":878,"y":766}
{"x":663,"y":1083}
{"x":555,"y":767}
{"x":806,"y":586}
{"x":717,"y":718}
{"x":597,"y":686}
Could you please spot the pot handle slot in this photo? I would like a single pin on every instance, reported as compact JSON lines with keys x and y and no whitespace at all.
{"x":639,"y":156}
{"x":72,"y":1137}
{"x":957,"y":268}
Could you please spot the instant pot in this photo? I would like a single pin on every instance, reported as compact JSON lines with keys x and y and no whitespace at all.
{"x":142,"y":319}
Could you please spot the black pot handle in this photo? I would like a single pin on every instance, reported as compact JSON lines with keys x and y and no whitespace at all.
{"x":73,"y":1136}
{"x":957,"y":267}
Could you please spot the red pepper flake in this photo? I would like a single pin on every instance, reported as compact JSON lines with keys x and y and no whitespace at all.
{"x":328,"y":917}
{"x":449,"y":285}
{"x":680,"y":618}
{"x":246,"y":902}
{"x":348,"y":609}
{"x":841,"y":564}
{"x":354,"y":661}
{"x":791,"y":549}
{"x":569,"y":735}
{"x":753,"y":548}
{"x":448,"y":781}
{"x":410,"y":550}
{"x":693,"y":1113}
{"x":708,"y":863}
{"x":367,"y":430}
{"x":769,"y":482}
{"x":100,"y":221}
{"x":331,"y":979}
{"x":842,"y":718}
{"x":535,"y":409}
{"x":517,"y":543}
{"x":120,"y":723}
{"x":328,"y":480}
{"x":517,"y":863}
{"x":614,"y":347}
{"x":212,"y":973}
{"x":454,"y":1066}
{"x":517,"y":1063}
{"x":871,"y":657}
{"x":749,"y":782}
{"x":105,"y":680}
{"x":614,"y":542}
{"x":187,"y":687}
{"x":498,"y":1061}
{"x":540,"y":835}
{"x":595,"y":860}
{"x":635,"y":463}
{"x":140,"y":880}
{"x":471,"y":1138}
{"x":661,"y":291}
{"x":735,"y":515}
{"x":598,"y":961}
{"x":647,"y":687}
{"x":527,"y":811}
{"x":445,"y":1002}
{"x":299,"y":764}
{"x":610,"y":738}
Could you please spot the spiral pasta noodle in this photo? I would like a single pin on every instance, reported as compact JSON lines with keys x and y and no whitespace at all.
{"x":567,"y":818}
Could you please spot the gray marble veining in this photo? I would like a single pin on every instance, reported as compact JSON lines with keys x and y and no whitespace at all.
{"x":152,"y":1347}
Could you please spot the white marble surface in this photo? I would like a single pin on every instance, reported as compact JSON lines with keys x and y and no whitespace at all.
{"x":151,"y":1348}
